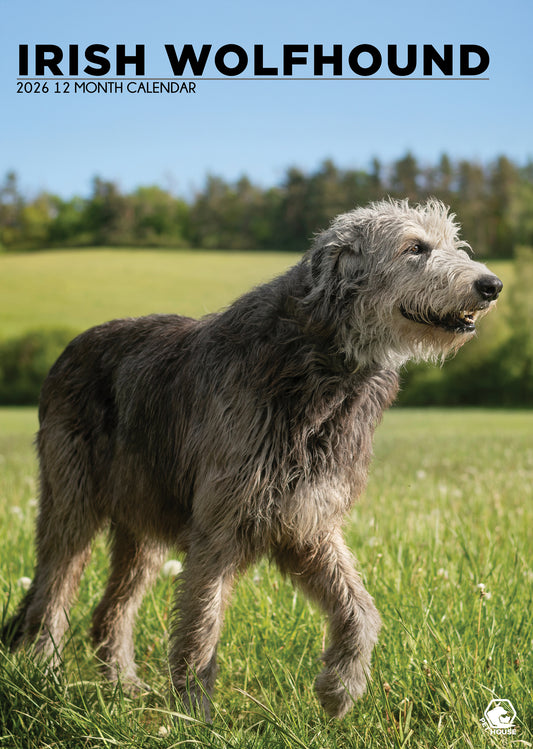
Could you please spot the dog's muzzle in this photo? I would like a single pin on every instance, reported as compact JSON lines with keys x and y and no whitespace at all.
{"x":487,"y":288}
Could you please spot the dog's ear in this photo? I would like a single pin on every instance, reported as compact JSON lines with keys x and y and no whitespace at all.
{"x":335,"y":257}
{"x":350,"y":261}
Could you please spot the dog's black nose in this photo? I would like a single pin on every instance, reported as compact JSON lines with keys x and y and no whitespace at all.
{"x":488,"y":287}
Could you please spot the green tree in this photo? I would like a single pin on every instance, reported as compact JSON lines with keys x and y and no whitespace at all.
{"x":439,"y":179}
{"x":294,"y":210}
{"x":159,"y":218}
{"x":503,"y":181}
{"x":471,"y":205}
{"x":36,"y":218}
{"x":404,"y":177}
{"x":520,"y":207}
{"x":69,"y":223}
{"x":375,"y":181}
{"x":516,"y":358}
{"x":109,"y":214}
{"x":11,"y":207}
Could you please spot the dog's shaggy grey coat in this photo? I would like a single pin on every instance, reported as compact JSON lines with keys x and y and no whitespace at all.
{"x":245,"y":433}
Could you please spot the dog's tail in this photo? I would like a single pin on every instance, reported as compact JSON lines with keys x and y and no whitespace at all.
{"x":12,"y":630}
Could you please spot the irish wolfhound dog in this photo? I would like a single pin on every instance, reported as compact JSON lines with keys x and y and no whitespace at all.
{"x":245,"y":433}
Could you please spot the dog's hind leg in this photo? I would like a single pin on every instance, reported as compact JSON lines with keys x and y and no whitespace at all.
{"x":325,"y":571}
{"x":203,"y":592}
{"x":64,"y":534}
{"x":134,"y":565}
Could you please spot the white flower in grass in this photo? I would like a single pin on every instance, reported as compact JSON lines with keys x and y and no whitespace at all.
{"x":24,"y":583}
{"x":483,"y":592}
{"x":172,"y":568}
{"x":163,"y":731}
{"x":18,"y":512}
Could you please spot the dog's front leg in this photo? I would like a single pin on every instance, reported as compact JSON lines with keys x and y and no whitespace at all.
{"x":325,"y":571}
{"x":203,"y":591}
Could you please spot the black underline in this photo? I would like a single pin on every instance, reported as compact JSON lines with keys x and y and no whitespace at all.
{"x":57,"y":79}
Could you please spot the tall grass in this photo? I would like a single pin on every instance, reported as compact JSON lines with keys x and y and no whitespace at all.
{"x":448,"y":509}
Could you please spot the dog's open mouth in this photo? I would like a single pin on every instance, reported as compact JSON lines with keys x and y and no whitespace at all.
{"x":463,"y":321}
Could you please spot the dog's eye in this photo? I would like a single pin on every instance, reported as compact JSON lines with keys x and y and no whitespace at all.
{"x":417,"y":248}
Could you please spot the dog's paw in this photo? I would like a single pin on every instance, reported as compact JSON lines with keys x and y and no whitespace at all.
{"x":130,"y":683}
{"x":133,"y":686}
{"x":194,"y":701}
{"x":337,"y":694}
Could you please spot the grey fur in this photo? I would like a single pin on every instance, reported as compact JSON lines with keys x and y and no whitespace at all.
{"x":243,"y":434}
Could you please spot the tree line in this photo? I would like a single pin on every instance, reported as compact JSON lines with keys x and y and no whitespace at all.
{"x":493,"y":201}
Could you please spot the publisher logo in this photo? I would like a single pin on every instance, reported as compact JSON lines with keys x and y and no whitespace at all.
{"x":499,"y":717}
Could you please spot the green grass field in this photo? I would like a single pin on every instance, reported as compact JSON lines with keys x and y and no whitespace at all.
{"x":77,"y":289}
{"x":449,"y":507}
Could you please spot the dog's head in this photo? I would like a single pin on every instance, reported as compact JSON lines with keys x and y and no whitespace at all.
{"x":399,"y":282}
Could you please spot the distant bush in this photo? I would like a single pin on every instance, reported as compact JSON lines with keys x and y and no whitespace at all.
{"x":25,"y":362}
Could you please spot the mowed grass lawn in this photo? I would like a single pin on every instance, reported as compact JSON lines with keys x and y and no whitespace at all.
{"x":449,"y":508}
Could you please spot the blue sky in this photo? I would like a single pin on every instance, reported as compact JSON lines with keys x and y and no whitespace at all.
{"x":259,"y":128}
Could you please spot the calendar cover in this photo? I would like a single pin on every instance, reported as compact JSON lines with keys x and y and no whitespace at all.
{"x":266,"y":374}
